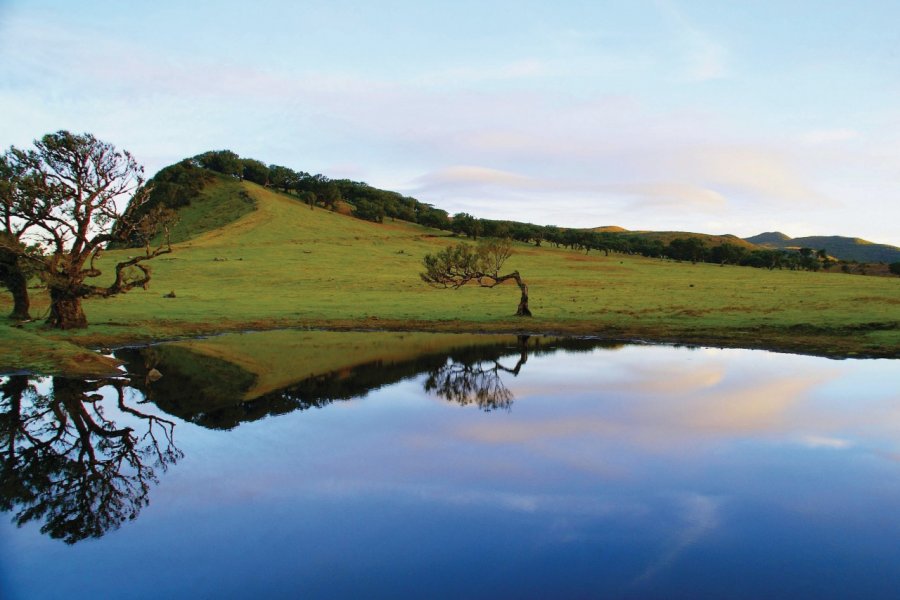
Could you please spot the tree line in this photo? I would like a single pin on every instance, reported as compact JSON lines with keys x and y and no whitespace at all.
{"x":683,"y":248}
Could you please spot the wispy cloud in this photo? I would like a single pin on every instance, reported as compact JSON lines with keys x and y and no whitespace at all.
{"x":704,"y":58}
{"x":526,"y":68}
{"x":764,"y":174}
{"x":467,"y":183}
{"x":829,"y":136}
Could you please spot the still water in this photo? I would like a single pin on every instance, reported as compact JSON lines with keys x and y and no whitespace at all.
{"x":384,"y":465}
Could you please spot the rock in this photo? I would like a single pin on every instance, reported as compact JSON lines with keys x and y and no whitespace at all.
{"x":153,"y":375}
{"x":170,"y":294}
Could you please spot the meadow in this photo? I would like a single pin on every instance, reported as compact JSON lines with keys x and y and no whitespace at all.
{"x":284,"y":265}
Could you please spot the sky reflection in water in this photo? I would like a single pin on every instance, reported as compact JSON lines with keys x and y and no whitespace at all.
{"x":633,"y":472}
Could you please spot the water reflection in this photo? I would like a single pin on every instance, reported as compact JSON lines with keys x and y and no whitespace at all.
{"x":640,"y":472}
{"x":67,"y":464}
{"x":219,"y":394}
{"x":474,"y":380}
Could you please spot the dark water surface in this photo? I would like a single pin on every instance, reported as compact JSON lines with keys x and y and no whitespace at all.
{"x":323,"y":465}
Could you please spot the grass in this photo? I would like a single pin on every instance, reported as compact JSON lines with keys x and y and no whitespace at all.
{"x":219,"y":204}
{"x":284,"y":265}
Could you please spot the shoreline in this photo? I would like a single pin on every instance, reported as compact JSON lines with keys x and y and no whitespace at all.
{"x":80,"y":353}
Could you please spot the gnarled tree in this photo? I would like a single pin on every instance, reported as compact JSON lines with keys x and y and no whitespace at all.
{"x":15,"y":263}
{"x":463,"y":263}
{"x":69,"y":189}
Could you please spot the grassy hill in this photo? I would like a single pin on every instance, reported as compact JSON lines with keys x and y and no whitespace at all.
{"x":667,"y":236}
{"x":284,"y":265}
{"x":844,"y":248}
{"x":710,"y":239}
{"x":769,"y":239}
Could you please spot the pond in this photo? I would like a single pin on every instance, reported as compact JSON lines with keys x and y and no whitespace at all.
{"x":386,"y":465}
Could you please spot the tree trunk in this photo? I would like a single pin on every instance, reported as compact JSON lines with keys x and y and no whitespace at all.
{"x":65,"y":311}
{"x":18,"y":287}
{"x":523,"y":301}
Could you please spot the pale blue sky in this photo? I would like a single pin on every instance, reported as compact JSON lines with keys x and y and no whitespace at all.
{"x":708,"y":116}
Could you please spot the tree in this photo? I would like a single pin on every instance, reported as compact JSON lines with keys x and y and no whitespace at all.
{"x":282,"y":178}
{"x":894,"y":268}
{"x":255,"y":171}
{"x":222,"y":161}
{"x":369,"y":211}
{"x":16,"y":267}
{"x":455,"y":266}
{"x":432,"y":217}
{"x":12,"y":251}
{"x":69,"y":189}
{"x":15,"y":256}
{"x":467,"y":224}
{"x":727,"y":253}
{"x":329,"y":195}
{"x":689,"y":248}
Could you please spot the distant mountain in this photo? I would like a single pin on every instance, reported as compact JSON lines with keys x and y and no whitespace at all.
{"x":773,"y":238}
{"x":711,"y":240}
{"x":844,"y":248}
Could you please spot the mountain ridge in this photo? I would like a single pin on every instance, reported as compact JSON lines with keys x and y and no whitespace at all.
{"x":842,"y":247}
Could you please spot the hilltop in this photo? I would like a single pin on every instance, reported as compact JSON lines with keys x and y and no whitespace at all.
{"x":769,"y":237}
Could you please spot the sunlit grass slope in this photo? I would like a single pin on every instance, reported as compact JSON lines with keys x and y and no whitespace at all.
{"x":218,"y":205}
{"x":286,"y":265}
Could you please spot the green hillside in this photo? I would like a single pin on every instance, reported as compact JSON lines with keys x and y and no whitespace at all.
{"x":844,"y":248}
{"x":285,"y":265}
{"x":710,"y":239}
{"x":221,"y":202}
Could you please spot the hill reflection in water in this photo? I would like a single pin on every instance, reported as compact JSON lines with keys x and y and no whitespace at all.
{"x":201,"y":386}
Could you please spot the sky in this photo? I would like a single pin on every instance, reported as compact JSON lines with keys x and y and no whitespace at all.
{"x":690,"y":115}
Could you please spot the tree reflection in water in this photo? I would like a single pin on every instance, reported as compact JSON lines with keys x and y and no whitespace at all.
{"x":69,"y":465}
{"x":476,"y":380}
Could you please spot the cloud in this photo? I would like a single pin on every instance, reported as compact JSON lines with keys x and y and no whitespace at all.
{"x":764,"y":174}
{"x":482,"y":73}
{"x":675,"y":195}
{"x":704,"y":58}
{"x":829,"y":136}
{"x":464,"y":182}
{"x":469,"y":176}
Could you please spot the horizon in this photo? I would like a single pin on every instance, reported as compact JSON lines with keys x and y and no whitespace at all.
{"x":650,"y":115}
